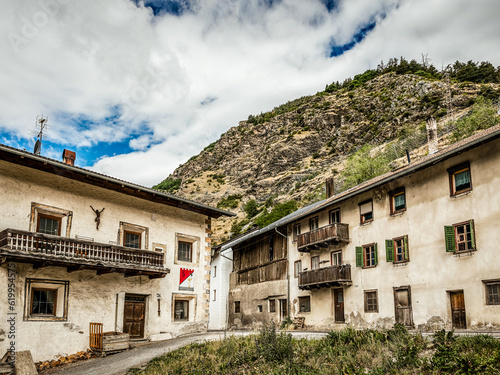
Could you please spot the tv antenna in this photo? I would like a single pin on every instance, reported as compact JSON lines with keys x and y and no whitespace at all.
{"x":41,"y":125}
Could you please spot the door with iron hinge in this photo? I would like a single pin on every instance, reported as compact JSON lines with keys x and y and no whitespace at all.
{"x":458,"y":317}
{"x":402,"y":306}
{"x":134,"y":316}
{"x":338,"y":300}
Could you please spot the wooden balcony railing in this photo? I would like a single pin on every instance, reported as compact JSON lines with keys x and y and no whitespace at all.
{"x":325,"y":277}
{"x":45,"y":250}
{"x":336,"y":232}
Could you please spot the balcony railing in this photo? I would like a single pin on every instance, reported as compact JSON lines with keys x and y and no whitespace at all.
{"x":321,"y":237}
{"x":325,"y":277}
{"x":49,"y":250}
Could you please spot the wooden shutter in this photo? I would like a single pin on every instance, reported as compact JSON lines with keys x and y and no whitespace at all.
{"x":389,"y":250}
{"x":449,"y":237}
{"x":472,"y":234}
{"x":375,"y":253}
{"x":359,"y":256}
{"x":405,"y":244}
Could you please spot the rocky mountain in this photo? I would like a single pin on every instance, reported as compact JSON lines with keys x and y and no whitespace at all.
{"x":288,"y":153}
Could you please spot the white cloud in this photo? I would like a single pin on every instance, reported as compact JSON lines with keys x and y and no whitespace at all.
{"x":94,"y":60}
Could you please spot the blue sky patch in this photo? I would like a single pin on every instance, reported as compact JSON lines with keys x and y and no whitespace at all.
{"x":174,"y":7}
{"x":337,"y":50}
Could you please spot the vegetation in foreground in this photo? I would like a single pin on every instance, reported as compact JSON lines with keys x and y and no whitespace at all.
{"x":394,"y":351}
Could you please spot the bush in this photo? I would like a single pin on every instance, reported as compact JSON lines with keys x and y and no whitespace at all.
{"x":169,"y":185}
{"x":361,"y":166}
{"x":274,"y":347}
{"x":231,"y":201}
{"x":278,"y":211}
{"x":251,"y":208}
{"x":483,"y":115}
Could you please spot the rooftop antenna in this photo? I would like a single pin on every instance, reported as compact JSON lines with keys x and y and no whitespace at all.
{"x":41,"y":123}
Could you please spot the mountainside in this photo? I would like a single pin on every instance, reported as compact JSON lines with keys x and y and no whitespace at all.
{"x":275,"y":158}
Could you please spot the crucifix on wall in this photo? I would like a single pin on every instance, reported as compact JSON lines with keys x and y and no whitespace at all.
{"x":97,"y":217}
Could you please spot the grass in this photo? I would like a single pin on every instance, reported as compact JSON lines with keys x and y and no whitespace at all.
{"x":393,"y":351}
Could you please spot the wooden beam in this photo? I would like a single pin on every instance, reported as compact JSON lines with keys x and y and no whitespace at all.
{"x":104,"y":271}
{"x":38,"y":265}
{"x":157,"y":276}
{"x":135,"y":273}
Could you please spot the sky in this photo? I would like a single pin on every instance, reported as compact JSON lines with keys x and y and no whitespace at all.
{"x":138,"y":87}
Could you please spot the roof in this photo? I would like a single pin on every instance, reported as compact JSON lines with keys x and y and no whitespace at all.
{"x":52,"y":166}
{"x":457,"y":148}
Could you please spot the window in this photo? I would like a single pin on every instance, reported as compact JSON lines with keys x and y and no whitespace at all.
{"x":297,"y":268}
{"x":305,"y":304}
{"x":131,"y":239}
{"x":43,"y":301}
{"x":46,"y":300}
{"x":367,"y":255}
{"x":271,"y":248}
{"x":336,"y":258}
{"x":160,"y":248}
{"x":49,"y":225}
{"x":315,"y":262}
{"x":259,"y":308}
{"x":460,"y":237}
{"x":366,"y":211}
{"x":134,"y":236}
{"x":313,"y":223}
{"x":335,"y":216}
{"x":460,"y":179}
{"x":492,"y":292}
{"x":215,"y":271}
{"x":398,"y":201}
{"x":371,"y":301}
{"x":272,"y":305}
{"x":237,"y":307}
{"x":181,"y":310}
{"x":296,"y":231}
{"x":184,"y":251}
{"x":397,"y":250}
{"x":215,"y":295}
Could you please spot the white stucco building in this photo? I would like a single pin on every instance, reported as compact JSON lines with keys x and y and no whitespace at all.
{"x":78,"y":247}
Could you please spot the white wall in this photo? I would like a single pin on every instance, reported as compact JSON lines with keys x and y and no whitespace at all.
{"x":220,"y":283}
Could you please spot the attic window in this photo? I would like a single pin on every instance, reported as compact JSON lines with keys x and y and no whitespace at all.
{"x":366,"y":211}
{"x":460,"y":179}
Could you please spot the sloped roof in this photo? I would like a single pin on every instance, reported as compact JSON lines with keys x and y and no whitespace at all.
{"x":457,"y":148}
{"x":55,"y":167}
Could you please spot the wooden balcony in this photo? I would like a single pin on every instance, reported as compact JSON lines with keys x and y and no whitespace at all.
{"x":44,"y":250}
{"x":322,"y":237}
{"x":325,"y":277}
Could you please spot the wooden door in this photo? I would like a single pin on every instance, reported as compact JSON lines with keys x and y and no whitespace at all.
{"x":458,"y":309}
{"x":283,"y":309}
{"x":134,"y":316}
{"x":402,"y":305}
{"x":338,"y":298}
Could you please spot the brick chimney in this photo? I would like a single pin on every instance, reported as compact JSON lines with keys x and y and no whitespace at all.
{"x":330,"y":190}
{"x":69,"y":157}
{"x":432,"y":139}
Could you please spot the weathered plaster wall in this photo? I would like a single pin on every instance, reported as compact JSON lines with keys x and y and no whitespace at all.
{"x":431,"y":272}
{"x":92,"y":298}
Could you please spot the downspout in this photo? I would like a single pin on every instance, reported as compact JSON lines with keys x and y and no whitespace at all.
{"x":116,"y":313}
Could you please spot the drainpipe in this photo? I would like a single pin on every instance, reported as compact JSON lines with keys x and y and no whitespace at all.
{"x":116,"y":313}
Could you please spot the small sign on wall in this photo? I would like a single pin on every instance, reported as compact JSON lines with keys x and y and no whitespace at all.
{"x":186,"y":281}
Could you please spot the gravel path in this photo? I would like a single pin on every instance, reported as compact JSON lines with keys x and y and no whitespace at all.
{"x":118,"y":364}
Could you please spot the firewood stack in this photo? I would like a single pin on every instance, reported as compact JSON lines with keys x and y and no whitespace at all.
{"x":44,"y":365}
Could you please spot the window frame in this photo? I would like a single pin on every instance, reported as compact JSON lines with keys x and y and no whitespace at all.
{"x":306,"y":307}
{"x":312,"y":263}
{"x":391,"y":250}
{"x":295,"y":264}
{"x":295,"y":232}
{"x":130,"y":228}
{"x":488,"y":299}
{"x":54,"y":302}
{"x":336,"y":252}
{"x":61,"y":295}
{"x":215,"y":295}
{"x":65,"y":217}
{"x":134,"y":233}
{"x":452,"y":236}
{"x":330,"y":214}
{"x":58,"y":219}
{"x":361,"y":255}
{"x":195,"y":249}
{"x":373,"y":306}
{"x":393,"y":194}
{"x":272,"y":305}
{"x":185,"y":302}
{"x":313,"y":222}
{"x":452,"y":172}
{"x":188,"y":259}
{"x":362,"y":218}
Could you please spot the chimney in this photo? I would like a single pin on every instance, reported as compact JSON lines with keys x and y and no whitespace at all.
{"x":330,"y":190}
{"x":69,"y":157}
{"x":432,"y":140}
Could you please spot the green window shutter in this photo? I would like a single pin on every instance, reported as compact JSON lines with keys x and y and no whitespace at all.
{"x":375,"y":253}
{"x":389,"y":250}
{"x":472,"y":234}
{"x":405,"y":243}
{"x":359,"y":256}
{"x":449,"y":237}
